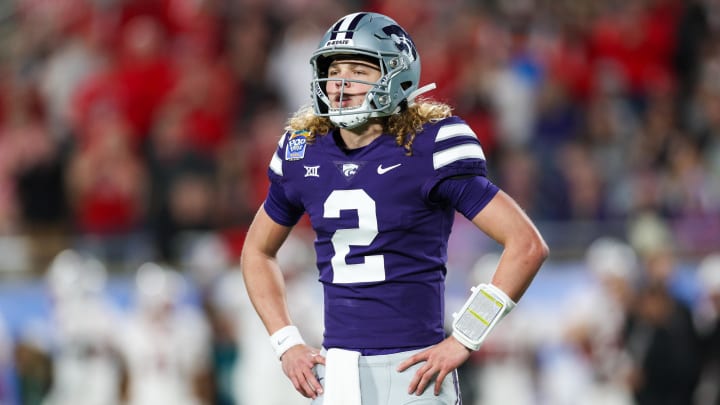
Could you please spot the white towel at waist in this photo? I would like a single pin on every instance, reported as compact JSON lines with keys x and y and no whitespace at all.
{"x":342,"y":378}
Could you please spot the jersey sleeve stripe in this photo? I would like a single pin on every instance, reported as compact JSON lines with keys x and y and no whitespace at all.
{"x":455,"y":153}
{"x":454,"y":130}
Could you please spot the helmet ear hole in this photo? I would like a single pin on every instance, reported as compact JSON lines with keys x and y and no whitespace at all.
{"x":323,"y":64}
{"x":406,"y":85}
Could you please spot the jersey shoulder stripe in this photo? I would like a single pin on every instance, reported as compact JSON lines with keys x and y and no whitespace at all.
{"x":455,"y":141}
{"x":453,"y":154}
{"x":449,"y":131}
{"x":276,"y":161}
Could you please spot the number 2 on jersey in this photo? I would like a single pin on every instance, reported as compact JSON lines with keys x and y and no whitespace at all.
{"x":373,"y":269}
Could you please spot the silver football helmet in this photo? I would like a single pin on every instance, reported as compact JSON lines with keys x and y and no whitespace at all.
{"x":368,"y":36}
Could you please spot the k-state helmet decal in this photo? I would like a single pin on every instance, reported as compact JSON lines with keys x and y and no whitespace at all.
{"x":402,"y":40}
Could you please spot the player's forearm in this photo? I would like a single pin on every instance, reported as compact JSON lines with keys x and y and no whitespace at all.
{"x":524,"y":249}
{"x":520,"y":262}
{"x":262,"y":276}
{"x":266,"y":290}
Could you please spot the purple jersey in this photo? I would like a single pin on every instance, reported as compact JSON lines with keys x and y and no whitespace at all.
{"x":381,"y":242}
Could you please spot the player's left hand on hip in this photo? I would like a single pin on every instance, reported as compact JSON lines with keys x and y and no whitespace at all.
{"x":439,"y":361}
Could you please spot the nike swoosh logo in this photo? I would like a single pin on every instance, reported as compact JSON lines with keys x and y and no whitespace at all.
{"x":281,"y":341}
{"x":383,"y":170}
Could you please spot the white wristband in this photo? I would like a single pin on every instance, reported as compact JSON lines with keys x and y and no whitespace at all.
{"x":285,"y":338}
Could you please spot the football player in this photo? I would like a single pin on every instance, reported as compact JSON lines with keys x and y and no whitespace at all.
{"x":380,"y":173}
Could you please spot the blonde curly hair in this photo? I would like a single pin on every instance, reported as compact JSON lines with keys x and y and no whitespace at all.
{"x":404,"y":125}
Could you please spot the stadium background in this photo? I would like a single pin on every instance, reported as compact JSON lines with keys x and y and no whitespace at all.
{"x":136,"y":131}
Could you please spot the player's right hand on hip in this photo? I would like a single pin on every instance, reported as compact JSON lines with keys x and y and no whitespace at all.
{"x":297,"y":364}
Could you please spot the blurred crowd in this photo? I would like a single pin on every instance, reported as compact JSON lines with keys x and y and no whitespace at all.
{"x":128,"y":126}
{"x":135,"y":137}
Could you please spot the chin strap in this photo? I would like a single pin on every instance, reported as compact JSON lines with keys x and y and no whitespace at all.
{"x":415,"y":94}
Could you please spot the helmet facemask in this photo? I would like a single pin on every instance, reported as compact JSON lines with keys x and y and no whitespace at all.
{"x":374,"y":103}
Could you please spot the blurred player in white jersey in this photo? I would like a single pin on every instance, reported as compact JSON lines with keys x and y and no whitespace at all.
{"x":87,"y":367}
{"x":166,"y":345}
{"x":593,"y":367}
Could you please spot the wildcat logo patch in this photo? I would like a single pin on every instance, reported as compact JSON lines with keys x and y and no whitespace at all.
{"x":296,"y":145}
{"x":349,"y":169}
